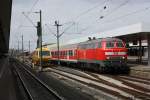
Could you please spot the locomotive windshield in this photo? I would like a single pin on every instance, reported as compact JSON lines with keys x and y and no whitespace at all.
{"x":119,"y":44}
{"x":111,"y":44}
{"x":45,"y":53}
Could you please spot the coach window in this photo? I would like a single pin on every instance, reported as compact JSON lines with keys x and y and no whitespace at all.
{"x":73,"y":52}
{"x":70,"y":53}
{"x":66,"y":53}
{"x":60,"y":53}
{"x":63,"y":53}
{"x":56,"y":53}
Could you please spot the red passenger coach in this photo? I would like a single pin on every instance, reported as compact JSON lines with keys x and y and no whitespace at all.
{"x":102,"y":55}
{"x":68,"y":53}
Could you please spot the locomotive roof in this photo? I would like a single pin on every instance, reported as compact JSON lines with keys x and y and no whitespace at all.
{"x":43,"y":48}
{"x":99,"y":40}
{"x":73,"y":46}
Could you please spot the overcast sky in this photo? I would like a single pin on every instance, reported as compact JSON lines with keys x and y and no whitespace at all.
{"x":86,"y":15}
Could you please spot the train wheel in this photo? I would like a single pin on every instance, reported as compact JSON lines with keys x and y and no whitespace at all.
{"x":126,"y":69}
{"x":95,"y":67}
{"x":101,"y":69}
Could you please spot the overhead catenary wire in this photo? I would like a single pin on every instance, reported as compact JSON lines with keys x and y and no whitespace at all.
{"x":116,"y":8}
{"x":34,"y":4}
{"x":90,"y":9}
{"x":29,"y":19}
{"x":83,"y":13}
{"x":50,"y":29}
{"x":20,"y":26}
{"x":131,"y":13}
{"x":102,"y":17}
{"x":27,"y":16}
{"x":66,"y":29}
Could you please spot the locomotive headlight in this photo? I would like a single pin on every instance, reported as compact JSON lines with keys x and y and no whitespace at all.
{"x":123,"y":57}
{"x":107,"y":57}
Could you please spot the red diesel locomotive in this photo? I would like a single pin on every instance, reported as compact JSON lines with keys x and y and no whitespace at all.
{"x":102,"y":55}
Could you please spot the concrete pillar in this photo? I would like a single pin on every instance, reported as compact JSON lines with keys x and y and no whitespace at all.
{"x":148,"y":50}
{"x":140,"y":51}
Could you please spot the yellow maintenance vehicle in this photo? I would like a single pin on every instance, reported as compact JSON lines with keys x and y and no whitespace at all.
{"x":46,"y":57}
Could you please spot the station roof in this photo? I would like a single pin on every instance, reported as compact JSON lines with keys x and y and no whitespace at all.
{"x":127,"y":33}
{"x":5,"y":18}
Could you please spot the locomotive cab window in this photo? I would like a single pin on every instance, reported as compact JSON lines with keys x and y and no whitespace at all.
{"x":109,"y":44}
{"x":45,"y":53}
{"x":119,"y":44}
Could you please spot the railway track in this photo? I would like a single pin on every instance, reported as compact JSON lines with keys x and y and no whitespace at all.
{"x":119,"y":86}
{"x":34,"y":88}
{"x":123,"y":87}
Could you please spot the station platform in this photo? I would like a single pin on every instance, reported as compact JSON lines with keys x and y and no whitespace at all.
{"x":7,"y":83}
{"x":142,"y":71}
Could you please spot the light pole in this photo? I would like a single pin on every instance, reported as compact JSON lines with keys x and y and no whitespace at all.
{"x":22,"y":49}
{"x":40,"y":37}
{"x":29,"y":46}
{"x":58,"y":36}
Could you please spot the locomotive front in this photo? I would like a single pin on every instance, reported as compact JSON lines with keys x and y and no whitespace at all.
{"x":115,"y":55}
